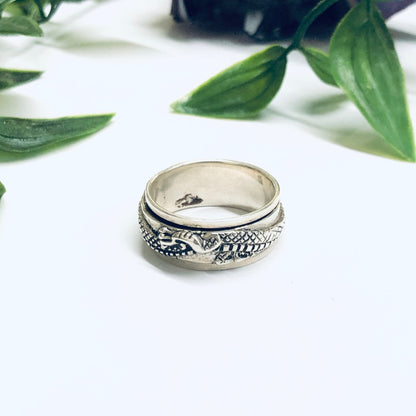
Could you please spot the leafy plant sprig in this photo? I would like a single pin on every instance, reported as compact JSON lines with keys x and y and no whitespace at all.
{"x":23,"y":17}
{"x":362,"y":61}
{"x":12,"y":77}
{"x":26,"y":135}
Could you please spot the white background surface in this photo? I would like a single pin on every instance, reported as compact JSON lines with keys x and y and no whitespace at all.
{"x":91,"y":323}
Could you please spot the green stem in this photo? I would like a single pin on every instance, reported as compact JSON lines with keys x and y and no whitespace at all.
{"x":308,"y":20}
{"x":40,"y":8}
{"x":54,"y":6}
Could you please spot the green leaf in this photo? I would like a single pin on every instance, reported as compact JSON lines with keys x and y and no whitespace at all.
{"x":23,"y":8}
{"x":12,"y":77}
{"x":241,"y":90}
{"x":365,"y":65}
{"x":2,"y":190}
{"x":19,"y":25}
{"x":4,"y":3}
{"x":20,"y":135}
{"x":319,"y":62}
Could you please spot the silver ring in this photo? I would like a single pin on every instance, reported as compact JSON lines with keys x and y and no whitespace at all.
{"x":206,"y":244}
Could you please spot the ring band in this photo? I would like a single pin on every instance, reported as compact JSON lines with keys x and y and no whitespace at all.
{"x":206,"y":244}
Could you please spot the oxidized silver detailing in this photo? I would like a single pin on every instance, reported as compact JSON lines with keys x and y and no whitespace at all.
{"x":209,"y":248}
{"x":188,"y":200}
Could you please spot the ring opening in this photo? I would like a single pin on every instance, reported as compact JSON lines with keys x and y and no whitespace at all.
{"x":227,"y":184}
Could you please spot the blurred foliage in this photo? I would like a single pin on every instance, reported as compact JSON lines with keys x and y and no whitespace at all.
{"x":22,"y":17}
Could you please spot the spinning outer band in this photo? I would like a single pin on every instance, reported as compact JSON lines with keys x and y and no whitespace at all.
{"x":206,"y":244}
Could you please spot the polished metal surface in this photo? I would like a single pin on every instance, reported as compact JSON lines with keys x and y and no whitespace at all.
{"x":211,"y":244}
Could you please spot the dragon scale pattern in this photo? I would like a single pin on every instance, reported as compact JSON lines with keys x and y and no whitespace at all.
{"x":220,"y":246}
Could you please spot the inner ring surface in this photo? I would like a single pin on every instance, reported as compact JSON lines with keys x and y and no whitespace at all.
{"x":212,"y":184}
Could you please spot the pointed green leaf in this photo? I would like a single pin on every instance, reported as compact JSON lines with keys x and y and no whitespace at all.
{"x":241,"y":90}
{"x":20,"y":135}
{"x":12,"y":77}
{"x":319,"y":62}
{"x":365,"y":65}
{"x":4,"y":3}
{"x":2,"y":190}
{"x":19,"y":25}
{"x":22,"y":8}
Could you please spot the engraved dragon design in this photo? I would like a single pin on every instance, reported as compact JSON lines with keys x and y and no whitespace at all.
{"x":221,"y":247}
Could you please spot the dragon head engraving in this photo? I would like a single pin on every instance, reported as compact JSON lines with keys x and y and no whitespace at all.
{"x":165,"y":237}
